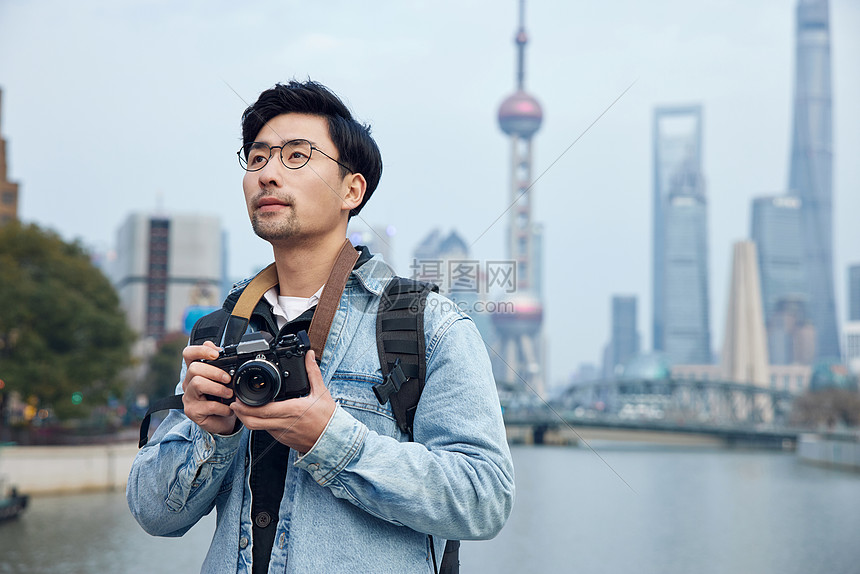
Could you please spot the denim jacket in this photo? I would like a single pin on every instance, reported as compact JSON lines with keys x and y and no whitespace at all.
{"x":364,"y":498}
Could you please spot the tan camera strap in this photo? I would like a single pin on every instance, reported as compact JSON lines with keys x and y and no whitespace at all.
{"x":329,"y":300}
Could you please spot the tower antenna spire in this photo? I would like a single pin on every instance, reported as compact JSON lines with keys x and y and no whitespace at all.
{"x":521,"y":39}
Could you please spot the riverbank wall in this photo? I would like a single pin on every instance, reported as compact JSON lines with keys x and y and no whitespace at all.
{"x":829,"y":450}
{"x":41,"y":470}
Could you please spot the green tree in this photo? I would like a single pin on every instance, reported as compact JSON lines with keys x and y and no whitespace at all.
{"x":63,"y":337}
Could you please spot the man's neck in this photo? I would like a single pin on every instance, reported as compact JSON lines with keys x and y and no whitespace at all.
{"x":303,"y":269}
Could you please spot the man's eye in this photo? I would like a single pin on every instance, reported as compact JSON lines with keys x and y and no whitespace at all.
{"x":257,"y":157}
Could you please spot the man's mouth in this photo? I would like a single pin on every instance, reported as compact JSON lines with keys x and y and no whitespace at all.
{"x":271,"y":204}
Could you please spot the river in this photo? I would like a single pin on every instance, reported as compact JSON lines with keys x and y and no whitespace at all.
{"x":632,"y":509}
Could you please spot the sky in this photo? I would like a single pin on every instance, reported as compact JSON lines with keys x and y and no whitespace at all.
{"x":111,"y":108}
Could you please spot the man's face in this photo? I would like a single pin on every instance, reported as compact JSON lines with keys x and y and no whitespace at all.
{"x":288,"y":205}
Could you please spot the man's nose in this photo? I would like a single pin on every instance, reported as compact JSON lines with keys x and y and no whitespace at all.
{"x":273,"y":172}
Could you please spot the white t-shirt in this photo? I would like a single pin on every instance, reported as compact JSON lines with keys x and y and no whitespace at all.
{"x":285,"y":309}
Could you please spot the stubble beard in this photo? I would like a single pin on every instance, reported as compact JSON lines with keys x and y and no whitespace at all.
{"x":275,"y":227}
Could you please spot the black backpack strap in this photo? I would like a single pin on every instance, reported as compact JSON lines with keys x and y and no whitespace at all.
{"x":402,"y":357}
{"x":166,"y":403}
{"x":400,"y":344}
{"x":210,"y":327}
{"x":451,"y":558}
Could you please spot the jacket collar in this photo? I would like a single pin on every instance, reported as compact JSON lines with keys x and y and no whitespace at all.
{"x":373,"y":275}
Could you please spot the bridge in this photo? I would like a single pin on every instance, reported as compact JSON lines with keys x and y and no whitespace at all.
{"x":663,"y":410}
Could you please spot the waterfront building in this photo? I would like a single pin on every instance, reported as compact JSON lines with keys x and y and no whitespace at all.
{"x":624,"y":342}
{"x":851,"y":345}
{"x":519,"y":326}
{"x":791,"y":334}
{"x":439,"y":246}
{"x":8,"y":189}
{"x":681,"y":323}
{"x":444,"y":260}
{"x":744,"y":358}
{"x":775,"y":227}
{"x":166,"y":267}
{"x":811,"y":167}
{"x":854,"y":292}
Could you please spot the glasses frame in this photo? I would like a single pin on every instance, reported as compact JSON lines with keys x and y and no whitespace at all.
{"x":280,"y":149}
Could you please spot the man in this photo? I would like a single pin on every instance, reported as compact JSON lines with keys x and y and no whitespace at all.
{"x":327,"y":482}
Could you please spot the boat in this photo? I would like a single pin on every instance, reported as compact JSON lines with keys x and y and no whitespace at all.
{"x":12,"y":504}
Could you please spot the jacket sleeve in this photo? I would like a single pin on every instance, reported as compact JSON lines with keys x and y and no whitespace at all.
{"x":176,"y":477}
{"x":456,"y":481}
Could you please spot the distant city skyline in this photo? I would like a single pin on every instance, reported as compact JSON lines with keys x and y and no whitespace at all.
{"x":73,"y":81}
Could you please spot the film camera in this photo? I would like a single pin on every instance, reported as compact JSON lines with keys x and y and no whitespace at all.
{"x":261,"y":374}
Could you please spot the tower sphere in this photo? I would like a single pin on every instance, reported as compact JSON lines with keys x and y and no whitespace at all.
{"x":526,"y":317}
{"x":520,"y":114}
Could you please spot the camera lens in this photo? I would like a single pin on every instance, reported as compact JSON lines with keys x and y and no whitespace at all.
{"x":257,"y":382}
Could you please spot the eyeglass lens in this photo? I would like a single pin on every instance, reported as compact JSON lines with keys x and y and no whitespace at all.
{"x":294,"y":154}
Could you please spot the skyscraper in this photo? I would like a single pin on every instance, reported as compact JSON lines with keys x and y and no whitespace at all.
{"x":681,"y":327}
{"x":775,"y":228}
{"x":165,"y":265}
{"x":624,"y":344}
{"x":851,"y":329}
{"x":811,"y":169}
{"x":8,"y":189}
{"x":854,"y":292}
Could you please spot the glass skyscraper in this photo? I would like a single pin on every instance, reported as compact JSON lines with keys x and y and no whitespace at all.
{"x":625,"y":335}
{"x":681,"y":328}
{"x":854,"y":293}
{"x":811,"y":168}
{"x":775,"y":229}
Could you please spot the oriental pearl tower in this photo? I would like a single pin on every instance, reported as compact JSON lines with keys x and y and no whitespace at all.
{"x":520,"y":332}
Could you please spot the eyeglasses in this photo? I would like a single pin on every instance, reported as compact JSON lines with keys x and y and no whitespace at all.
{"x":295,"y":154}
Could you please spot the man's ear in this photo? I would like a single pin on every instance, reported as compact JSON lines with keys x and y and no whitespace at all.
{"x":356,"y":186}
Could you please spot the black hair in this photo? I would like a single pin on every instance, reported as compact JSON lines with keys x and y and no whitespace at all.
{"x":353,"y":141}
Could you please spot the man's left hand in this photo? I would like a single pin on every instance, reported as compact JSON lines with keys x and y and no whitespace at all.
{"x":297,"y":423}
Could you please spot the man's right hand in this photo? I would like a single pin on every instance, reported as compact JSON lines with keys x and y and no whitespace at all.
{"x":202,"y":379}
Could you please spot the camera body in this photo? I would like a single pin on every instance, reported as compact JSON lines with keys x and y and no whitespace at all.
{"x":261,"y":374}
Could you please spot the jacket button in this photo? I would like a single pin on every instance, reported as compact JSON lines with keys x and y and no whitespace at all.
{"x":263,"y":519}
{"x":243,"y":542}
